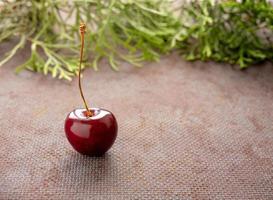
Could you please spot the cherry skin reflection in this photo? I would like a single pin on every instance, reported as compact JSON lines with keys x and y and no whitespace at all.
{"x":93,"y":135}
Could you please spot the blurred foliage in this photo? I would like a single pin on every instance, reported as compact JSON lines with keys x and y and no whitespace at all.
{"x":135,"y":31}
{"x":233,"y":32}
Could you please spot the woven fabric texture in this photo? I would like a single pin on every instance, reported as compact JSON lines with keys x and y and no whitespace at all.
{"x":186,"y":131}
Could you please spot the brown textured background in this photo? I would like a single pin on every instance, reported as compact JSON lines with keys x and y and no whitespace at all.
{"x":186,"y":131}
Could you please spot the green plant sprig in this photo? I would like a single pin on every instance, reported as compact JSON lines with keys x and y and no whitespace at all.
{"x":228,"y":31}
{"x":135,"y":31}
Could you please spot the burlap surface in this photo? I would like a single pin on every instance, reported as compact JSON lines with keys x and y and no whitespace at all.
{"x":186,"y":131}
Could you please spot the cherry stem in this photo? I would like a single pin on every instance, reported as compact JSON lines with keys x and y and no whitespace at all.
{"x":82,"y":31}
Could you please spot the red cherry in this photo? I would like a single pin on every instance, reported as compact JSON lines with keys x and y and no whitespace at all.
{"x":93,"y":135}
{"x":91,"y":131}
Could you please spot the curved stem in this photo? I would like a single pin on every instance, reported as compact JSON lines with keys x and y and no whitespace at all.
{"x":82,"y":31}
{"x":14,"y":50}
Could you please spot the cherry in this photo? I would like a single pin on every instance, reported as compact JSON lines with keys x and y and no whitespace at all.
{"x":90,"y":131}
{"x":93,"y":135}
